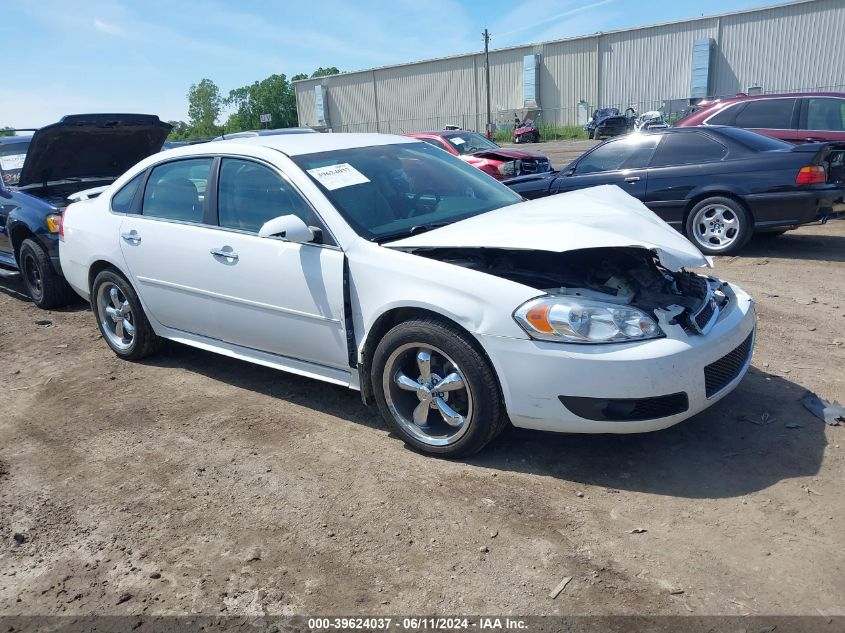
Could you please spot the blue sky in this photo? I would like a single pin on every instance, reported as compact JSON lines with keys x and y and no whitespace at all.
{"x":64,"y":56}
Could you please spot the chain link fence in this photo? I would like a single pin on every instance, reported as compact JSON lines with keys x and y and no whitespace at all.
{"x":553,"y":123}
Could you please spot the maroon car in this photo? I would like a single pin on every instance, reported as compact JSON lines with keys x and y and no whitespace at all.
{"x":795,"y":117}
{"x":499,"y":162}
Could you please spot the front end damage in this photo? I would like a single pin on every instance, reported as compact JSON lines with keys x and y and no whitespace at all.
{"x":628,"y":276}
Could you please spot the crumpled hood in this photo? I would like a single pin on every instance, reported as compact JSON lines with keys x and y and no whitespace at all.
{"x":598,"y":217}
{"x":507,"y":152}
{"x":91,"y":145}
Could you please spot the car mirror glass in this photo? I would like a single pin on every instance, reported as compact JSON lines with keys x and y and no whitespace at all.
{"x":291,"y":228}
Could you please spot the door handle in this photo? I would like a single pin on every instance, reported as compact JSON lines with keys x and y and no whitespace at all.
{"x":222,"y":252}
{"x":632,"y":179}
{"x":132,"y":237}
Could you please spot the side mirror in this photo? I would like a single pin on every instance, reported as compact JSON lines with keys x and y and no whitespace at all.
{"x":289,"y":227}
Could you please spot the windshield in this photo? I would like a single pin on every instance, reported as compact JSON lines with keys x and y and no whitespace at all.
{"x":469,"y":142}
{"x":12,"y":156}
{"x":607,"y":112}
{"x":392,"y":191}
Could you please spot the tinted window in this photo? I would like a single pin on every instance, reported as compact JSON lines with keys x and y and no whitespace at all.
{"x":628,"y":153}
{"x":434,"y":142}
{"x":122,"y":200}
{"x":250,"y":194}
{"x":176,"y":190}
{"x":387,"y":191}
{"x":755,"y":141}
{"x":684,"y":148}
{"x":775,"y":114}
{"x":725,"y":117}
{"x":12,"y":156}
{"x":826,"y":114}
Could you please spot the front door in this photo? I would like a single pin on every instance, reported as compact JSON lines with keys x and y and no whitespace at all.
{"x":270,"y":294}
{"x":619,"y":162}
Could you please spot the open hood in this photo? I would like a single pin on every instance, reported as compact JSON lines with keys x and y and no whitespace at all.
{"x":598,"y":217}
{"x":91,"y":146}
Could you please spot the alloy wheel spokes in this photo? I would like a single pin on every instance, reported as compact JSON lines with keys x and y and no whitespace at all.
{"x":450,"y":416}
{"x":424,"y":364}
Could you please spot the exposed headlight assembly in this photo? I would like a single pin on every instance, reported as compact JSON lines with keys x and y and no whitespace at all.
{"x":510,"y":168}
{"x":572,"y":320}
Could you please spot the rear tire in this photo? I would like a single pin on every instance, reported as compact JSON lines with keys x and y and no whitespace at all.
{"x":436,"y":390}
{"x":46,"y":288}
{"x":719,"y":226}
{"x":121,"y":317}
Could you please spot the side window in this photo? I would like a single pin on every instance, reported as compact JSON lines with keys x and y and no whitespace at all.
{"x":627,"y":153}
{"x":684,"y":148}
{"x":121,"y":202}
{"x":826,"y":114}
{"x":773,"y":114}
{"x":725,"y":117}
{"x":176,"y":190}
{"x":250,"y":194}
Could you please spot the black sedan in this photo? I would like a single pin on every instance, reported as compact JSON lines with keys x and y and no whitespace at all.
{"x":717,"y":185}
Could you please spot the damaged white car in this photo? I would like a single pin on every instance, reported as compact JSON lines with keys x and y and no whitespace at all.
{"x":388,"y":266}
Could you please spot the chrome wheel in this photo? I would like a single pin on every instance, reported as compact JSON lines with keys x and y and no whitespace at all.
{"x":716,"y":227}
{"x":427,"y":394}
{"x":115,"y":315}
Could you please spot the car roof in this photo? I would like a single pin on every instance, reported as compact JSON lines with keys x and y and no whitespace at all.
{"x":296,"y":144}
{"x":442,"y":133}
{"x":721,"y":101}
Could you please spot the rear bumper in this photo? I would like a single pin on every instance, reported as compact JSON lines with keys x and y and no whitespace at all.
{"x":793,"y":208}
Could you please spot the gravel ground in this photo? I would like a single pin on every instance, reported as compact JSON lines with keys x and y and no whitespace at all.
{"x":191,"y":483}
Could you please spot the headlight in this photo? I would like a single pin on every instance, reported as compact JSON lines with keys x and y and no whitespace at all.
{"x":511,"y":168}
{"x":572,"y":320}
{"x":54,"y":222}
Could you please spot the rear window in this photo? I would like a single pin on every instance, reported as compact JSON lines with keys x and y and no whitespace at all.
{"x":752,"y":140}
{"x":770,"y":114}
{"x":12,"y":156}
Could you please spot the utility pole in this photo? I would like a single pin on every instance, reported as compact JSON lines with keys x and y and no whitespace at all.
{"x":486,"y":35}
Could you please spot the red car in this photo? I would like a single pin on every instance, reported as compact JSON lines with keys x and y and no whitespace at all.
{"x":802,"y":117}
{"x":499,"y":162}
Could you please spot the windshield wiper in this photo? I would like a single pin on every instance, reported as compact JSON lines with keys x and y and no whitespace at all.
{"x":414,"y":230}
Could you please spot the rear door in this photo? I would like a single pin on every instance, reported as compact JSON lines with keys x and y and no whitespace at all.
{"x":823,"y":119}
{"x":167,"y":246}
{"x":777,"y":117}
{"x":619,"y":162}
{"x":679,"y":165}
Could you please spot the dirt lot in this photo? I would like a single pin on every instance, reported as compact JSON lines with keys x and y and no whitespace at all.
{"x":196,"y":484}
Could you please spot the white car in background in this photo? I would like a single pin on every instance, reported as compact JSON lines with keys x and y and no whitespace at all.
{"x":386,"y":265}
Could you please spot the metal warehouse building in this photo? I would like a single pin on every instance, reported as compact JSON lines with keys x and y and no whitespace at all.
{"x":788,"y":47}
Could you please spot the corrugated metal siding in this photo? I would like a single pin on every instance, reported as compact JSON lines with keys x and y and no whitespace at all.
{"x":785,"y":48}
{"x":425,"y":96}
{"x":567,"y":76}
{"x":651,"y":64}
{"x":781,"y":48}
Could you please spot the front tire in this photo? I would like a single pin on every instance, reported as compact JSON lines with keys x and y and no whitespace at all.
{"x":719,"y":226}
{"x":46,"y":288}
{"x":436,"y":390}
{"x":121,"y":317}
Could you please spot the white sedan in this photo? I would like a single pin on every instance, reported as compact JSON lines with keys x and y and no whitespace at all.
{"x":388,"y":266}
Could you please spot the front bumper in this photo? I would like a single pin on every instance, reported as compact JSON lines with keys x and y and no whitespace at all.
{"x":535,"y":374}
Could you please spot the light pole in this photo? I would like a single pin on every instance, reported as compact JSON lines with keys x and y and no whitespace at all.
{"x":486,"y":35}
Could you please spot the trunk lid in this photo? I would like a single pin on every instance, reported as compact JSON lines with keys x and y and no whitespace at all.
{"x":598,"y":217}
{"x":90,"y":146}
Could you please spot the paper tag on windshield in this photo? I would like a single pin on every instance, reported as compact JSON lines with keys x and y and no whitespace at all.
{"x":457,"y":140}
{"x":337,"y":176}
{"x":15,"y":161}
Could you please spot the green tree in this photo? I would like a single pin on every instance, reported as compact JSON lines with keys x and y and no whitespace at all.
{"x":181,"y":131}
{"x":325,"y":72}
{"x":7,"y":131}
{"x":204,"y":104}
{"x":274,"y":96}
